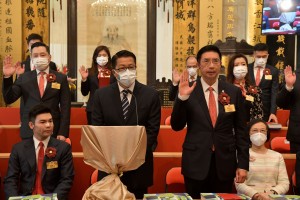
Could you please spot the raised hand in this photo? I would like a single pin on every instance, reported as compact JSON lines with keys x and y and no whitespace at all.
{"x":290,"y":76}
{"x":84,"y":73}
{"x":20,"y":69}
{"x":175,"y":76}
{"x":8,"y":68}
{"x":184,"y":88}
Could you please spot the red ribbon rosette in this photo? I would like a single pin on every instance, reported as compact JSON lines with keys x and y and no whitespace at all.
{"x":267,"y":71}
{"x":50,"y":152}
{"x":252,"y":89}
{"x":51,"y":78}
{"x":224,"y":98}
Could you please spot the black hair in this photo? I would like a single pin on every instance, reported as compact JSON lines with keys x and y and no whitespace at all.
{"x":255,"y":121}
{"x":34,"y":36}
{"x":40,"y":44}
{"x":120,"y":54}
{"x":208,"y":48}
{"x":230,"y":77}
{"x":37,"y":110}
{"x":261,"y":47}
{"x":94,"y":68}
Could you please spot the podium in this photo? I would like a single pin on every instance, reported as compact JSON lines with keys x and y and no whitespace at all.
{"x":114,"y":150}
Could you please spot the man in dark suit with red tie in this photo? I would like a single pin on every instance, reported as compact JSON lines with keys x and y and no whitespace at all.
{"x":267,"y":78}
{"x":216,"y":146}
{"x":128,"y":102}
{"x":42,"y":164}
{"x":41,"y":85}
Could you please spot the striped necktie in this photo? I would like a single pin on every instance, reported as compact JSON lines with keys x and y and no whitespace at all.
{"x":125,"y":104}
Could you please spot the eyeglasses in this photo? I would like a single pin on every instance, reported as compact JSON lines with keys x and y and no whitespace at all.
{"x":123,"y":68}
{"x":207,"y":61}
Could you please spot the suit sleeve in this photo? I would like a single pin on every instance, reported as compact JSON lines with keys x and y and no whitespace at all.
{"x":153,"y":122}
{"x":66,"y":173}
{"x":241,"y":135}
{"x":11,"y":181}
{"x":173,"y":90}
{"x":65,"y":107}
{"x":85,"y":86}
{"x":11,"y":91}
{"x":275,"y":85}
{"x":97,"y":115}
{"x":178,"y":116}
{"x":284,"y":98}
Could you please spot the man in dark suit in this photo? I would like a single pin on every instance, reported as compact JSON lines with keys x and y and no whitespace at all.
{"x":216,"y":146}
{"x":41,"y":164}
{"x":54,"y":92}
{"x":192,"y":67}
{"x":143,"y":109}
{"x":267,"y":78}
{"x":289,"y":98}
{"x":27,"y":64}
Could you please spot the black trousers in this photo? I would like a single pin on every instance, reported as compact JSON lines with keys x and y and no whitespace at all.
{"x":211,"y":184}
{"x":295,"y":147}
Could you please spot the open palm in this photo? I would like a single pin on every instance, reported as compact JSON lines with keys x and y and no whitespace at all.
{"x":8,"y":68}
{"x":84,"y":72}
{"x":184,"y":87}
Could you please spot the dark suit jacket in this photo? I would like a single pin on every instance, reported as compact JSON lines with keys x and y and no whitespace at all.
{"x":58,"y":100}
{"x":145,"y":102}
{"x":20,"y":178}
{"x":229,"y":136}
{"x":269,"y":90}
{"x":291,"y":101}
{"x":26,"y":62}
{"x":90,"y":86}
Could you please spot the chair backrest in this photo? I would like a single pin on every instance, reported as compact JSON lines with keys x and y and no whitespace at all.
{"x":174,"y":176}
{"x":94,"y":177}
{"x":280,"y":144}
{"x":168,"y":120}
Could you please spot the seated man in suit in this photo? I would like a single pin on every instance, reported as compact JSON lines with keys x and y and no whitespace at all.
{"x":41,"y":85}
{"x":127,"y":102}
{"x":27,"y":65}
{"x":42,"y":164}
{"x":216,"y":146}
{"x":192,"y":67}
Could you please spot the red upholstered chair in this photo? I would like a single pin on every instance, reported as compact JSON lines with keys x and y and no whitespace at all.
{"x":295,"y":23}
{"x":276,"y":25}
{"x":168,"y":120}
{"x":94,"y":177}
{"x":280,"y":144}
{"x":297,"y":13}
{"x":294,"y":182}
{"x":174,"y":176}
{"x":68,"y":140}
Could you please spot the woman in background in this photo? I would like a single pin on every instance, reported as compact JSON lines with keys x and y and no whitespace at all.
{"x":237,"y":74}
{"x":267,"y":171}
{"x":97,"y":76}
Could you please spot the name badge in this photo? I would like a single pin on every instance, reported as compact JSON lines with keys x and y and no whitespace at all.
{"x":52,"y":165}
{"x":55,"y":86}
{"x":249,"y":98}
{"x":268,"y":77}
{"x":229,"y":108}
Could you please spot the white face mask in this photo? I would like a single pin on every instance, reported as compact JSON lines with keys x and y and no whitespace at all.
{"x":102,"y":60}
{"x":192,"y":71}
{"x":40,"y":63}
{"x":258,"y":138}
{"x":261,"y":61}
{"x":240,"y":71}
{"x":127,"y":77}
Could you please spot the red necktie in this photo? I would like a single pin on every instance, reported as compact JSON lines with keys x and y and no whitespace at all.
{"x":42,"y":83}
{"x":212,"y":107}
{"x":257,"y":78}
{"x":38,"y":176}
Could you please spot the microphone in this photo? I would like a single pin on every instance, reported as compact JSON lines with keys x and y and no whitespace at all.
{"x":136,"y":112}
